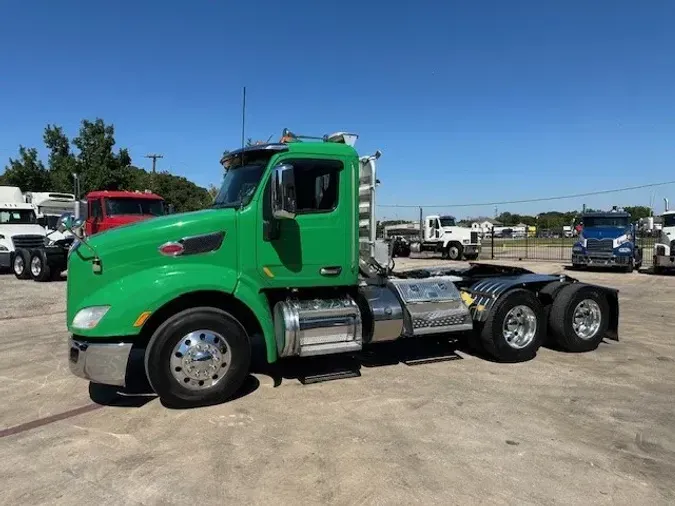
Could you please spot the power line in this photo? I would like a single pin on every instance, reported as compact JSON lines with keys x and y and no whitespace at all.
{"x":541,"y":199}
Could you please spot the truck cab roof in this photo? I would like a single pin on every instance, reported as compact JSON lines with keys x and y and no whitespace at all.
{"x":605,"y":214}
{"x":122,"y":194}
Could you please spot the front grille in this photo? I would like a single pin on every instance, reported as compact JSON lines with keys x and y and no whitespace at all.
{"x":672,"y":248}
{"x":600,"y":245}
{"x":28,"y":241}
{"x":474,"y":237}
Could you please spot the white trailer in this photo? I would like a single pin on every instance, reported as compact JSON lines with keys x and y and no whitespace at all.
{"x":19,"y":231}
{"x":441,"y":234}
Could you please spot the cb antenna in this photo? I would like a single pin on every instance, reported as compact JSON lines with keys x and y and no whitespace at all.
{"x":243,"y":118}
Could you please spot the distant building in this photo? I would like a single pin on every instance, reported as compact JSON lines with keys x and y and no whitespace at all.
{"x":485,"y":227}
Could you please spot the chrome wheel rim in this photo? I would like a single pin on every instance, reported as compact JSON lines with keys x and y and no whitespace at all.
{"x":519,"y":327}
{"x":586,"y":319}
{"x":18,"y":265}
{"x":36,"y":266}
{"x":200,"y":359}
{"x":453,"y":252}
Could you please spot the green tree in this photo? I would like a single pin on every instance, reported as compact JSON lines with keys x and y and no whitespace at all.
{"x":99,"y":167}
{"x":27,"y":171}
{"x":61,"y":161}
{"x":638,"y":212}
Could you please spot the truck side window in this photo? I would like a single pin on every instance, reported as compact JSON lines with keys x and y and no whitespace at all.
{"x":432,"y":223}
{"x":316,"y":184}
{"x":96,"y":209}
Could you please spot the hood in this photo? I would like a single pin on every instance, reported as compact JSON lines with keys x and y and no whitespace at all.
{"x":19,"y":229}
{"x":163,"y":228}
{"x":605,"y":232}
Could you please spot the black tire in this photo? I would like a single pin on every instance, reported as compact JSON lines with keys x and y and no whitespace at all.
{"x":39,"y":267}
{"x":492,"y":334}
{"x":160,"y":350}
{"x":471,"y":257}
{"x":562,"y":314}
{"x":454,"y":251}
{"x":21,"y":263}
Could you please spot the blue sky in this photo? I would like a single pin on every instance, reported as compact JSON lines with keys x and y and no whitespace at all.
{"x":468,"y":101}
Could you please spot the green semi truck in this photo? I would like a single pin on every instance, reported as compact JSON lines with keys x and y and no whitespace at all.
{"x":288,"y":254}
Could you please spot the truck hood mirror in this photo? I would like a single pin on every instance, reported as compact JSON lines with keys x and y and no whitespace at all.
{"x":284,"y":203}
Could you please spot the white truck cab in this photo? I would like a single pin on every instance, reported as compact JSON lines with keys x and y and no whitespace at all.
{"x":664,"y":247}
{"x":19,"y":228}
{"x":441,"y":234}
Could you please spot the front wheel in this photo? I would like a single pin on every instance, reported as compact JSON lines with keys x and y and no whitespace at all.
{"x":198,"y":356}
{"x":454,"y":251}
{"x":579,"y":317}
{"x":515,"y":328}
{"x":20,"y":264}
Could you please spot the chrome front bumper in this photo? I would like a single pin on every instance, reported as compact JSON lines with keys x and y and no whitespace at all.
{"x":104,"y":363}
{"x":600,"y":260}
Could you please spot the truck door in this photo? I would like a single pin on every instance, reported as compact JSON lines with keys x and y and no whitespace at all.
{"x":429,"y":232}
{"x":316,"y":247}
{"x":94,"y":217}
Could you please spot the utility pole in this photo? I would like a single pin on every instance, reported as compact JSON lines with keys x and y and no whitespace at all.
{"x":154,"y":160}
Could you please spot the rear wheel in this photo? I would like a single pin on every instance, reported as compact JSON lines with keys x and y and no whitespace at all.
{"x":579,"y":317}
{"x":39,"y":266}
{"x":515,"y":327}
{"x":198,"y":356}
{"x":20,"y":264}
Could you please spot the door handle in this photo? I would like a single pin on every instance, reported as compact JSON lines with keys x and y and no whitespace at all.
{"x":330,"y":271}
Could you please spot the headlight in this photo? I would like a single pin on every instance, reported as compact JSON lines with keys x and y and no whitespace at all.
{"x":624,"y":250}
{"x":578,"y":248}
{"x":3,"y":248}
{"x":466,"y":241}
{"x":89,"y":317}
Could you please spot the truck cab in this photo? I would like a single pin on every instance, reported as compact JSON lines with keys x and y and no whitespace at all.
{"x":607,"y":239}
{"x":19,"y":230}
{"x":287,"y":261}
{"x":664,"y":247}
{"x":442,"y":234}
{"x":110,"y":209}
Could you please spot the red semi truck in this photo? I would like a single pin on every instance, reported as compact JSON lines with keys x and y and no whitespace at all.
{"x":110,"y":209}
{"x":105,"y":210}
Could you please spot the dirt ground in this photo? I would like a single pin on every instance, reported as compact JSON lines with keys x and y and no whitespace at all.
{"x":595,"y":428}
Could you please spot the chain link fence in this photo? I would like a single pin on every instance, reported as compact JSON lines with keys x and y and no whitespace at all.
{"x":551,"y":249}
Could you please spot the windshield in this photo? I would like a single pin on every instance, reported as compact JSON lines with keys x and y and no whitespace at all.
{"x":605,"y":221}
{"x":134,"y":206}
{"x":239,"y":185}
{"x":17,"y":217}
{"x":447,"y":221}
{"x":669,"y":220}
{"x":49,"y":221}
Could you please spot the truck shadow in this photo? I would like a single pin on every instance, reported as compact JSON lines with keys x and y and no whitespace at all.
{"x":306,"y":370}
{"x":311,"y":370}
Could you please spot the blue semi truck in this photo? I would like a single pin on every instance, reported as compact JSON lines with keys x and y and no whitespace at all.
{"x":607,"y":239}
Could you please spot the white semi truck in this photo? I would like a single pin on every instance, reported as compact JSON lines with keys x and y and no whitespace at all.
{"x":50,"y":206}
{"x":19,"y":231}
{"x":664,"y":247}
{"x":441,"y":234}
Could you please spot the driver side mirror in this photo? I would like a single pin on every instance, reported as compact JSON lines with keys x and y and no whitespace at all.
{"x":284,"y":203}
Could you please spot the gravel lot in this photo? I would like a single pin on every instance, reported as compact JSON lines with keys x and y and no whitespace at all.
{"x":596,"y":428}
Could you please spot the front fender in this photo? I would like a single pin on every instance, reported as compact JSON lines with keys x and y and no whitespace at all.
{"x":149,"y":290}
